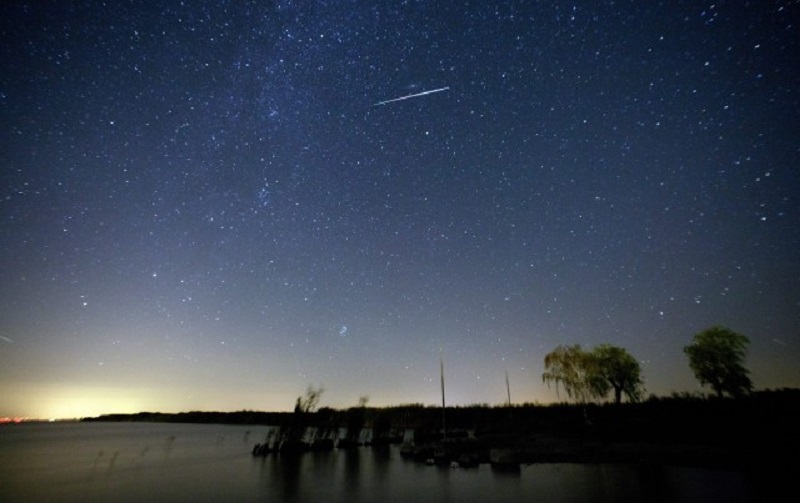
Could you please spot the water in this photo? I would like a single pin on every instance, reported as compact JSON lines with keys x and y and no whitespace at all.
{"x":182,"y":462}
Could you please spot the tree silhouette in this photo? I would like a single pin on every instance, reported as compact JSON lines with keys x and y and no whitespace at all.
{"x":717,"y":358}
{"x":356,"y":417}
{"x":292,"y":433}
{"x":309,"y":402}
{"x":615,"y":368}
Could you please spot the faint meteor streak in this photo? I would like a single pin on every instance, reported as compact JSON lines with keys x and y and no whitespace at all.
{"x":412,"y":96}
{"x":6,"y":339}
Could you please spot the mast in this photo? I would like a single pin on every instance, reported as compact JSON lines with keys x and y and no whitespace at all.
{"x":441,"y":372}
{"x":508,"y":389}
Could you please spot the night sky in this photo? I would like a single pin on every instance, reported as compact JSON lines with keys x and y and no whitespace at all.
{"x":213,"y":205}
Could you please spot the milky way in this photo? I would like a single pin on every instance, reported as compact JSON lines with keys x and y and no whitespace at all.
{"x":202,"y":208}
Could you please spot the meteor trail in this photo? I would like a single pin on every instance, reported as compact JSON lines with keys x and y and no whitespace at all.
{"x":412,"y":96}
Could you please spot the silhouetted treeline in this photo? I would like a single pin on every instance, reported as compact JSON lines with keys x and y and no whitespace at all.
{"x":239,"y":417}
{"x":685,"y":415}
{"x":758,"y":429}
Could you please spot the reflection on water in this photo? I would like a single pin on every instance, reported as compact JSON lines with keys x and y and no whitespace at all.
{"x":176,"y":462}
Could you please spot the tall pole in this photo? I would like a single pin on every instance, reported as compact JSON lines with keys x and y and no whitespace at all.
{"x":508,"y":390}
{"x":441,"y":372}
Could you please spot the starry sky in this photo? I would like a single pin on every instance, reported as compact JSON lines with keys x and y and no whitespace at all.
{"x":213,"y":205}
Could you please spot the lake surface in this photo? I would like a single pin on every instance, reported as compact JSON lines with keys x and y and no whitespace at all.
{"x":185,"y":462}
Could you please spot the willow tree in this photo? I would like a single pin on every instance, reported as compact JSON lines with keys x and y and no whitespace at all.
{"x":592,"y":374}
{"x":716,"y":356}
{"x":573,"y":369}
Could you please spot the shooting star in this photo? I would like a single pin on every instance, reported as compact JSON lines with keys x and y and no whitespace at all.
{"x":412,"y":96}
{"x":6,"y":339}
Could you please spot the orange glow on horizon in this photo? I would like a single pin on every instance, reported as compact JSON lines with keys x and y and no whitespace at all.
{"x":14,"y":420}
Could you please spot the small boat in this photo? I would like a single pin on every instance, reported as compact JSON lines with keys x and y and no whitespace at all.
{"x":407,"y":450}
{"x":504,"y":459}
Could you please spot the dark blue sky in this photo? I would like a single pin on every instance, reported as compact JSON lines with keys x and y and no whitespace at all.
{"x":203,"y":207}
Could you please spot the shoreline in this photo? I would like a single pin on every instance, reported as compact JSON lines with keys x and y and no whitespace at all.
{"x":757,"y":430}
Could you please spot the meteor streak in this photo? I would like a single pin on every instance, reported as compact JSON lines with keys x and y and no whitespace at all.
{"x":412,"y":96}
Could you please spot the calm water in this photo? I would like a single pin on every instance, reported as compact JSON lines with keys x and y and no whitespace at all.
{"x":167,"y":462}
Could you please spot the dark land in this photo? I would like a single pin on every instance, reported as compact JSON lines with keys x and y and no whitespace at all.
{"x":761,"y":430}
